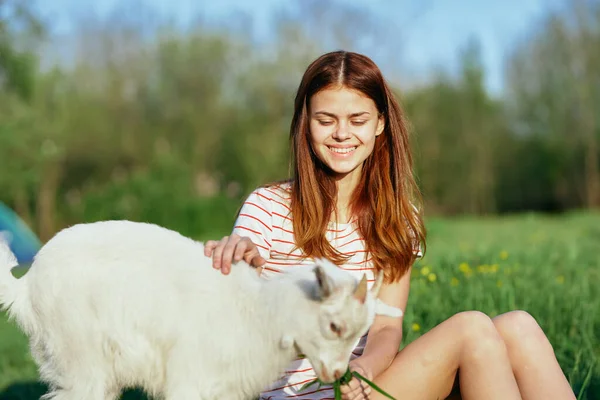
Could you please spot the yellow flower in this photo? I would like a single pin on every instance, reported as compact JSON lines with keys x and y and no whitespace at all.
{"x":503,"y":255}
{"x":494,"y":268}
{"x":425,"y":270}
{"x":464,"y":267}
{"x":432,"y":277}
{"x":454,"y":281}
{"x":560,"y":279}
{"x":416,"y":327}
{"x":482,"y":268}
{"x":499,"y":283}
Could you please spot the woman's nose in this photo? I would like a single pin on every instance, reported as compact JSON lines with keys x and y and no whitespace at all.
{"x":341,"y":132}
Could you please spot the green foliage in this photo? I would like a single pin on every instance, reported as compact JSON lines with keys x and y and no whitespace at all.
{"x":553,"y":95}
{"x":18,"y":27}
{"x":18,"y":70}
{"x":150,"y":117}
{"x":144,"y":197}
{"x":344,"y":380}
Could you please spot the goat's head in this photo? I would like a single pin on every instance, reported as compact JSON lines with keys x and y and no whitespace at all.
{"x":346,"y":310}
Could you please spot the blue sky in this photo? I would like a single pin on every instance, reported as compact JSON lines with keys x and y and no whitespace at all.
{"x":432,"y":38}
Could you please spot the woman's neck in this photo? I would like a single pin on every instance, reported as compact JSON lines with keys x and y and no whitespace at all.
{"x":345,"y":187}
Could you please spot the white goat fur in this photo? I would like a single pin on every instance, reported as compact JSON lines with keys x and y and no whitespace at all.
{"x":116,"y":304}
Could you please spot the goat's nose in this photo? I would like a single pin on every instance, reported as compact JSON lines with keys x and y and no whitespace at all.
{"x":338,"y":374}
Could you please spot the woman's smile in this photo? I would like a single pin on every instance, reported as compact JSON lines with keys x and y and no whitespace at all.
{"x":342,"y":151}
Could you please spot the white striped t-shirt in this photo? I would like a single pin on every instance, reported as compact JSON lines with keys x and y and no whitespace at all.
{"x":265,"y":217}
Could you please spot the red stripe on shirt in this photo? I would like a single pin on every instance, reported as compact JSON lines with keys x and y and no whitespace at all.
{"x":259,"y":207}
{"x":277,"y":194}
{"x":257,"y":219}
{"x":361,"y":262}
{"x":274,"y":201}
{"x":291,"y":396}
{"x":287,"y":386}
{"x":287,"y":264}
{"x":272,"y":270}
{"x":255,"y":232}
{"x":281,"y":228}
{"x":282,"y":216}
{"x":344,"y":236}
{"x":357,"y":269}
{"x":288,"y":254}
{"x":352,"y":241}
{"x":298,"y":370}
{"x":284,"y":241}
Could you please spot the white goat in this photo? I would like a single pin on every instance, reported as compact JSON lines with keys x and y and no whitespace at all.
{"x":116,"y":304}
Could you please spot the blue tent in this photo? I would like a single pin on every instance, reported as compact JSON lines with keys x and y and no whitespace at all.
{"x":22,"y":241}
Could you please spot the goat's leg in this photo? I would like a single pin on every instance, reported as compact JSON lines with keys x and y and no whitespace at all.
{"x":82,"y":391}
{"x":185,"y":385}
{"x":199,"y":394}
{"x":77,"y":383}
{"x":184,"y":393}
{"x":72,"y":370}
{"x":195,"y":390}
{"x":183,"y":377}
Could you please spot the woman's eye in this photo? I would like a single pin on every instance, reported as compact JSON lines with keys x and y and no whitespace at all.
{"x":325,"y":122}
{"x":359,"y":123}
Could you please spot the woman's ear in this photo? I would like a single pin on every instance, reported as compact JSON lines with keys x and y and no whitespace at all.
{"x":380,"y":125}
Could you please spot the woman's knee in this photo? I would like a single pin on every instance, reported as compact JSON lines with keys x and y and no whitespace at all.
{"x":474,"y":323}
{"x":519,"y":328}
{"x":480,"y":338}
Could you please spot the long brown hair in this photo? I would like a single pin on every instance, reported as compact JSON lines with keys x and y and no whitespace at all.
{"x":386,"y":204}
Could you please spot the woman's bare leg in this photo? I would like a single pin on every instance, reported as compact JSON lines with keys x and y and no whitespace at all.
{"x":532,"y":358}
{"x":427,"y":367}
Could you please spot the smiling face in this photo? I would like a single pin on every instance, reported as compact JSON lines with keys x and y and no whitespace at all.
{"x":344,"y":124}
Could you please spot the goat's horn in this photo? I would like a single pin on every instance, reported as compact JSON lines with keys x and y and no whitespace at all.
{"x":377,"y":285}
{"x":361,"y":290}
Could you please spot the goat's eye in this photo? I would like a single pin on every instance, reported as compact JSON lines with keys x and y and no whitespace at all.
{"x":335,"y":328}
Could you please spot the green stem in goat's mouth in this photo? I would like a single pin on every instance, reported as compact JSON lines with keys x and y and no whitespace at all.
{"x":344,"y":380}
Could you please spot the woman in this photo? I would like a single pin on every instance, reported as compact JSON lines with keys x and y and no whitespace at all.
{"x":353,"y":199}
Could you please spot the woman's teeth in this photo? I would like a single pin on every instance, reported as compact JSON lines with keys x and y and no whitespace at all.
{"x":342,"y":150}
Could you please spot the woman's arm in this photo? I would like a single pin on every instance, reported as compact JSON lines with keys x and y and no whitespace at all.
{"x":385,"y":335}
{"x":383,"y":342}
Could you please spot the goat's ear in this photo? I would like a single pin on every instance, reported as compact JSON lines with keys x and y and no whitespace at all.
{"x":324,"y":282}
{"x":360,"y":293}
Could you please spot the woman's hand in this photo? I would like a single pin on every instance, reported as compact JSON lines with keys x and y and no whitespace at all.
{"x":357,"y":389}
{"x":232,"y":249}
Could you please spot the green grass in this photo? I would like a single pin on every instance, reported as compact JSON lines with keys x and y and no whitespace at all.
{"x":548,"y":266}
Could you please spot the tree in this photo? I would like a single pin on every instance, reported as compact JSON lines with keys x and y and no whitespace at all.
{"x":20,"y":30}
{"x":553,"y":92}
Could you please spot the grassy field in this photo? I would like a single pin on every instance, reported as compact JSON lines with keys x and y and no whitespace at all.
{"x":548,"y":266}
